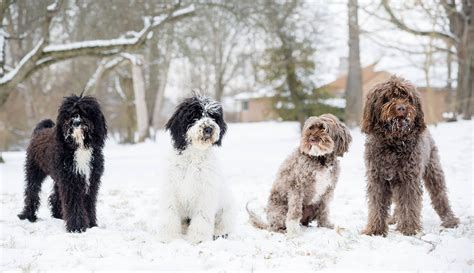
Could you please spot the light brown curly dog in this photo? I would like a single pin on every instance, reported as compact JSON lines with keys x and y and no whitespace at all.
{"x":307,"y":178}
{"x":399,"y":153}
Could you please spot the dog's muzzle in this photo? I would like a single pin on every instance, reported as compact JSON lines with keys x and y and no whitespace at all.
{"x":207,"y":133}
{"x":76,"y":122}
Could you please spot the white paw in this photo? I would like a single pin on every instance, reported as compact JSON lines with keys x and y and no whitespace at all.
{"x":199,"y":238}
{"x":167,"y":234}
{"x":293,"y":228}
{"x":198,"y":235}
{"x":167,"y":238}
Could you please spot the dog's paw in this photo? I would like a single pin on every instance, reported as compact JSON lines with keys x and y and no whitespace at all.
{"x":223,"y":236}
{"x":77,"y":225}
{"x":196,"y":235}
{"x":76,"y":229}
{"x":408,"y":231}
{"x":196,"y":238}
{"x":168,"y":232}
{"x":168,"y":236}
{"x":293,"y":228}
{"x":374,"y":232}
{"x":167,"y":239}
{"x":31,"y":217}
{"x":328,"y":225}
{"x":452,"y":222}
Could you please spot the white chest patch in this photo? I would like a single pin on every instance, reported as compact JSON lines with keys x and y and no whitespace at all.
{"x":323,"y":182}
{"x":82,"y":161}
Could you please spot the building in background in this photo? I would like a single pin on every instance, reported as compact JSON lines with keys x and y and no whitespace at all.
{"x":258,"y":106}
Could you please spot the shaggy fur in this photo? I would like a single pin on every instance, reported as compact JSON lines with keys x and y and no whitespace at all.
{"x":306,"y":180}
{"x":399,"y":153}
{"x":195,"y":199}
{"x":70,"y":152}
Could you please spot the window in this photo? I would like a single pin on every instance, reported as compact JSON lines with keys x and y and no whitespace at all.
{"x":245,"y":105}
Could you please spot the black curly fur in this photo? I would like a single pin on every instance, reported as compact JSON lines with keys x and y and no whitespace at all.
{"x":51,"y":152}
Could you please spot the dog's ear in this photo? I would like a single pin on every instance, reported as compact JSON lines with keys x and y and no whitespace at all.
{"x":219,"y":119}
{"x":420,"y":117}
{"x":178,"y":128}
{"x":101,"y":127}
{"x":91,"y":105}
{"x":339,"y":133}
{"x":369,"y":118}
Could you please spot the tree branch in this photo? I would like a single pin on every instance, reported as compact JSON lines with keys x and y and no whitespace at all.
{"x":44,"y":55}
{"x":400,"y":24}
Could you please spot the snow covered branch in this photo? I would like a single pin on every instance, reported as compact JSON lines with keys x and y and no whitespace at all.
{"x":44,"y":54}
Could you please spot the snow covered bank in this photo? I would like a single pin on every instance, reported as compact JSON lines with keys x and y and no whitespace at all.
{"x":126,"y":236}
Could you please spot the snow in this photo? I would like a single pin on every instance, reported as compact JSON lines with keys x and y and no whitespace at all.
{"x":251,"y":153}
{"x":10,"y":75}
{"x":54,"y":6}
{"x":94,"y":43}
{"x":184,"y":10}
{"x":335,"y":102}
{"x":256,"y":94}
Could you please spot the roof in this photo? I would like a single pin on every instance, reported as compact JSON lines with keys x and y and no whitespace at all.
{"x":368,"y":75}
{"x":262,"y":93}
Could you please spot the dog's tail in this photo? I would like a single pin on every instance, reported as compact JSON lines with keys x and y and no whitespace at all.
{"x":254,"y":219}
{"x":45,"y":123}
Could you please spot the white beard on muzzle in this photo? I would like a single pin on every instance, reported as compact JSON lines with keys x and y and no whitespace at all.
{"x":195,"y":134}
{"x":316,"y":151}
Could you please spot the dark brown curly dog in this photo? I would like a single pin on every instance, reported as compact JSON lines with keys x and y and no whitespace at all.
{"x":399,"y":153}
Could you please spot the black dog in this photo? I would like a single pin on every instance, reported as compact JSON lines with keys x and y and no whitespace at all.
{"x":71,"y":153}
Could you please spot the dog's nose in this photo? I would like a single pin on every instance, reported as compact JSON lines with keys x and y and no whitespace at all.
{"x":312,"y":139}
{"x":76,"y":122}
{"x":400,"y":109}
{"x":207,"y":130}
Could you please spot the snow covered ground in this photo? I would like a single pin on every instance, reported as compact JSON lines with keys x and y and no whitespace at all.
{"x":126,"y":236}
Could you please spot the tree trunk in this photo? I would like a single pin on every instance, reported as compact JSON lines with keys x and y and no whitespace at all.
{"x":140,"y":102}
{"x":130,"y":120}
{"x":163,"y":80}
{"x":354,"y":93}
{"x":153,"y":56}
{"x":464,"y":87}
{"x":219,"y":86}
{"x":160,"y":96}
{"x":468,"y":72}
{"x":292,"y":82}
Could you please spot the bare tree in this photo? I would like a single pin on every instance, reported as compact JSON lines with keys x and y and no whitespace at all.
{"x":215,"y":47}
{"x":288,"y":61}
{"x":354,"y":94}
{"x":460,"y":33}
{"x":44,"y":53}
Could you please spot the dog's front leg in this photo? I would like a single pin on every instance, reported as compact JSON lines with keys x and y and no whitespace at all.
{"x":224,"y":221}
{"x":202,"y":223}
{"x":91,"y":203}
{"x":409,"y":200}
{"x":170,"y":225}
{"x":73,"y":209}
{"x":91,"y":196}
{"x":295,"y":212}
{"x":379,"y":196}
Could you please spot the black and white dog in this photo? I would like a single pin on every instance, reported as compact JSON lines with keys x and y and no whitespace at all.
{"x":195,"y":199}
{"x":71,"y":153}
